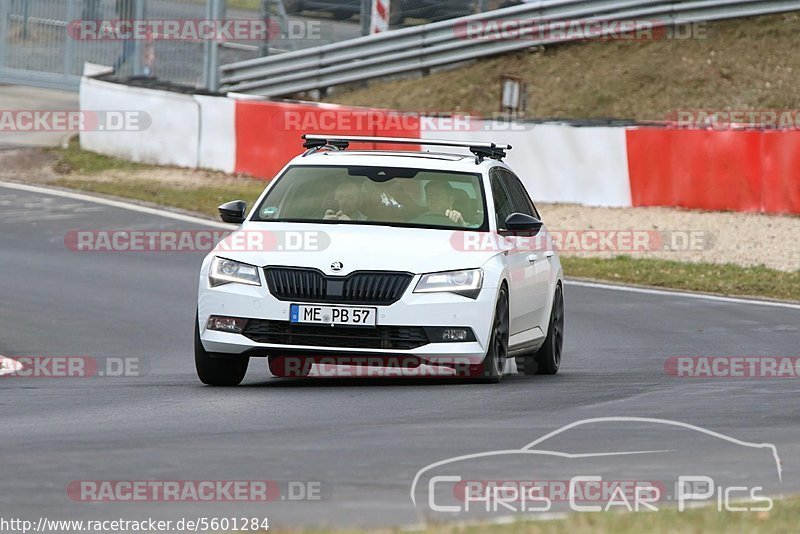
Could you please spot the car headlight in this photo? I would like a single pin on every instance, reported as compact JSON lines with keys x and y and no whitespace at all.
{"x":467,"y":282}
{"x":227,"y":271}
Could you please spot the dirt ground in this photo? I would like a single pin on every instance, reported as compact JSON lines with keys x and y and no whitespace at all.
{"x":745,"y":239}
{"x":41,"y":166}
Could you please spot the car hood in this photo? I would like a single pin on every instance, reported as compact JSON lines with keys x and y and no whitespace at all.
{"x":356,"y":247}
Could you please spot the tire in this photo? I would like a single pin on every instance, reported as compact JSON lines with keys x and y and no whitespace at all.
{"x":491,"y":369}
{"x":217,"y":369}
{"x":293,"y":7}
{"x":278,"y":367}
{"x":547,"y":360}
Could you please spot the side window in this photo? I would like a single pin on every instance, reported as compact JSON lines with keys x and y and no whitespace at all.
{"x":502,"y":201}
{"x":519,"y":195}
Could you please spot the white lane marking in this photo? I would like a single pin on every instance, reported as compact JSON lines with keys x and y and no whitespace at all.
{"x":8,"y":366}
{"x":670,"y":293}
{"x":214,"y":224}
{"x":116,"y":204}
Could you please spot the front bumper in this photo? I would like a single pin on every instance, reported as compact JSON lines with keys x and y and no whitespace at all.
{"x":412,"y":310}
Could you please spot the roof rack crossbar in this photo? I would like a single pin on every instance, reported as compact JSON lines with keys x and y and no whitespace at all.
{"x":341,"y":142}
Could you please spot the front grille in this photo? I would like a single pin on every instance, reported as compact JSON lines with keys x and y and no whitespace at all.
{"x":381,"y":337}
{"x":311,"y":285}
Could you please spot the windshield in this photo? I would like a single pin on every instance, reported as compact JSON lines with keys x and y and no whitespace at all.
{"x":394,"y":196}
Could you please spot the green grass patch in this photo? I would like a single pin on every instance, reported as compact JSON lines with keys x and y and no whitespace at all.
{"x":743,"y":64}
{"x":725,"y":279}
{"x":203,"y":199}
{"x":783,"y":518}
{"x":87,"y":171}
{"x":73,"y":159}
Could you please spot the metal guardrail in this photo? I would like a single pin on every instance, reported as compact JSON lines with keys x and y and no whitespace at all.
{"x":433,"y":45}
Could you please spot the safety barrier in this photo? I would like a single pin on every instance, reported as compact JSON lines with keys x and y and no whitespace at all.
{"x":741,"y":170}
{"x":450,"y":41}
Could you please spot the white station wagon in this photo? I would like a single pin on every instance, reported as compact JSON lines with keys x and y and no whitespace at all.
{"x":383,"y":258}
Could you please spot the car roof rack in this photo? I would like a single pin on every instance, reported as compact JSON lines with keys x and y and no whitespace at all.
{"x":313,"y":145}
{"x":315,"y":142}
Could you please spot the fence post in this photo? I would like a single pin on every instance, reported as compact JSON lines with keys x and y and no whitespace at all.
{"x":25,"y":20}
{"x":73,"y":14}
{"x":366,"y":16}
{"x":4,"y":37}
{"x":138,"y":65}
{"x":215,"y":10}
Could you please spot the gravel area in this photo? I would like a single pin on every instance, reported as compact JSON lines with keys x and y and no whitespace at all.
{"x":745,"y":239}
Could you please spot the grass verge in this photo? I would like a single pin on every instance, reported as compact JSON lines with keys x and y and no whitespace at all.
{"x":203,"y":199}
{"x":73,"y":159}
{"x":784,"y":517}
{"x":87,"y":171}
{"x":740,"y":64}
{"x":724,"y":279}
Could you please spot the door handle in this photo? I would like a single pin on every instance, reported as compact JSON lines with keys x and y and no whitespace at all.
{"x":532,"y":258}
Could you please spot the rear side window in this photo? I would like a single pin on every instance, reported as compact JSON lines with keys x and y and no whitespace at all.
{"x":503,"y":205}
{"x":519,"y":195}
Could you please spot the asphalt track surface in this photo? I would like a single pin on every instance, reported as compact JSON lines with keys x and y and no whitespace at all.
{"x":363,"y":439}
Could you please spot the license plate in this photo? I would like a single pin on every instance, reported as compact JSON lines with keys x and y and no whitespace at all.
{"x":333,"y":315}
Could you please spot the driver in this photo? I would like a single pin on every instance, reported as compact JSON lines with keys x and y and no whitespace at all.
{"x":440,"y":198}
{"x":349,"y":200}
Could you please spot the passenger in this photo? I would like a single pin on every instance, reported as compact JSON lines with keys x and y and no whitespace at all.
{"x":349,"y":202}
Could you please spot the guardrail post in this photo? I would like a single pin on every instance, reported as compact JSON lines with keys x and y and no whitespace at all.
{"x":215,"y":10}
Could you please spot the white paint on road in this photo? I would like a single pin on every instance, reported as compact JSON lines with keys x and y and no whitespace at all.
{"x":116,"y":204}
{"x":670,"y":293}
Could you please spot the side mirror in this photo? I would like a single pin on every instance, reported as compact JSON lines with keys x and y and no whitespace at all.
{"x":233,"y":212}
{"x":520,"y":222}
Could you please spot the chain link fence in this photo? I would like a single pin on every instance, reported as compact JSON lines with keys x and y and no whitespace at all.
{"x":47,"y":42}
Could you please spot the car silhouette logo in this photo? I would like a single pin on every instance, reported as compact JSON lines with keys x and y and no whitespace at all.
{"x":336,"y":266}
